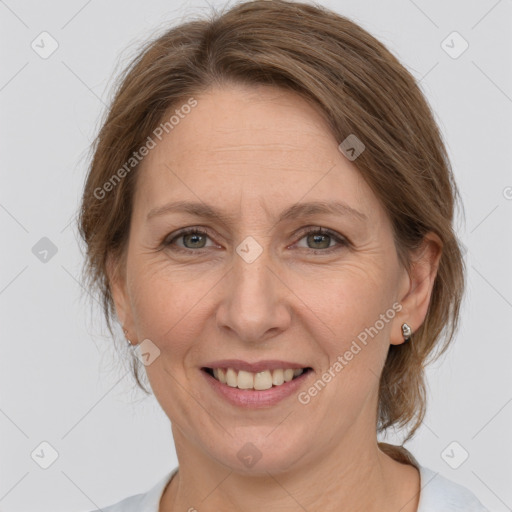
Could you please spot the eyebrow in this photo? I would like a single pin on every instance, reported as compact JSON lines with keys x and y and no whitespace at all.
{"x":297,"y":210}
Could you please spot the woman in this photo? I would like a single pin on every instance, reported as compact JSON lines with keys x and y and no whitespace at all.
{"x":268,"y":214}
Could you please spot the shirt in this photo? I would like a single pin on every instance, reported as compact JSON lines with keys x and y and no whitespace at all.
{"x":438,"y":494}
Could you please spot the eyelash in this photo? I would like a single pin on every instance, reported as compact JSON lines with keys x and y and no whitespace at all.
{"x":342,"y":242}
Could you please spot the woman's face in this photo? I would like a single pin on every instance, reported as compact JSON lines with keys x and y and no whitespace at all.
{"x":262,"y":287}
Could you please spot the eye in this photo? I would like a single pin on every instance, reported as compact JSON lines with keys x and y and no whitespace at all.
{"x":321,"y":238}
{"x":193,"y":238}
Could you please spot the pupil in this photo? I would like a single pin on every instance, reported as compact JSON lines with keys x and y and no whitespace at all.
{"x":318,"y":239}
{"x":195,"y":237}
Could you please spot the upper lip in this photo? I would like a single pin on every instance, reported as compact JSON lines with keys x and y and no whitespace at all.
{"x":258,"y":366}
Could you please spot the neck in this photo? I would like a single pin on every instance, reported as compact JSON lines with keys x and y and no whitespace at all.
{"x":355,"y":476}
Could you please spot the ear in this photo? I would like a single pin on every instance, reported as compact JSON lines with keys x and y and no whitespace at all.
{"x":416,"y":287}
{"x":117,"y":280}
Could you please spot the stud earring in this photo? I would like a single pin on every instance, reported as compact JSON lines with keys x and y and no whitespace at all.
{"x":406,"y":332}
{"x":126,"y":336}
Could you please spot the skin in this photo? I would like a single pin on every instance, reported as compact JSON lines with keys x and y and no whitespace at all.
{"x":252,"y":151}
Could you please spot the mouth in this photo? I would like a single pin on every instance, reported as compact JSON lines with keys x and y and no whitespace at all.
{"x":255,"y":381}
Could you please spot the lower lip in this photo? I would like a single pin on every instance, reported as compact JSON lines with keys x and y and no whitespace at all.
{"x":253,"y":399}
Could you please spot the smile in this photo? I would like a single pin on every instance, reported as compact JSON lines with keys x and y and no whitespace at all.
{"x":258,"y":381}
{"x":255,"y":385}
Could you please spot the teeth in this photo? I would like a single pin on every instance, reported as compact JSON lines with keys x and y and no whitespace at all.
{"x":277,"y":377}
{"x":263,"y":380}
{"x":231,"y":378}
{"x":245,"y":380}
{"x":259,"y":381}
{"x":288,"y":375}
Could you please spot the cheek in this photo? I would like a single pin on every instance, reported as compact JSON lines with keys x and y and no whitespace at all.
{"x":347,"y":301}
{"x":354,"y":313}
{"x":166,"y":312}
{"x":164,"y":305}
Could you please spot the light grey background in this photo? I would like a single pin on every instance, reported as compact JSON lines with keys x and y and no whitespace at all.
{"x":59,"y":379}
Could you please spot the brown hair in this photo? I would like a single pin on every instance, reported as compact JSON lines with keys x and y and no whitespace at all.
{"x":360,"y":88}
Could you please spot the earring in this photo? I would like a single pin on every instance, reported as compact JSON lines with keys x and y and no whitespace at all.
{"x":406,"y":332}
{"x":126,"y":336}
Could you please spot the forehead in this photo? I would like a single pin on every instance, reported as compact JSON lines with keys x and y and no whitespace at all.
{"x":263,"y":143}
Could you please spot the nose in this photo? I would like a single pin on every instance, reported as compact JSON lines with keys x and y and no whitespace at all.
{"x":254,"y":304}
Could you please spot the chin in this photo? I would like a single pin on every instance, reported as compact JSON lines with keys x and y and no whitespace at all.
{"x":260,"y":451}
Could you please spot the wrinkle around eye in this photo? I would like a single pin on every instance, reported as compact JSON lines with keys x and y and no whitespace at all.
{"x":351,"y":233}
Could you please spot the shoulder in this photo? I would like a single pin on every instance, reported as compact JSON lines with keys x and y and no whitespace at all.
{"x":440,"y":493}
{"x":144,"y":502}
{"x":130,"y":504}
{"x":437,"y":493}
